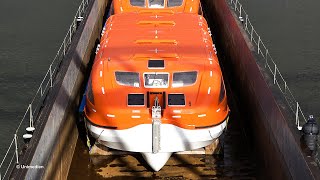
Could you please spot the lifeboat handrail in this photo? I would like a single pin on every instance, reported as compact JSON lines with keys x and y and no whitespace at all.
{"x":11,"y":157}
{"x":269,"y":64}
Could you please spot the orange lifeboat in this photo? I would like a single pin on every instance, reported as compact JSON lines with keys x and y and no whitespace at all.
{"x":157,"y":6}
{"x":156,"y":86}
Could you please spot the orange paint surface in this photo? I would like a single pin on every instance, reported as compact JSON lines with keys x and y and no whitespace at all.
{"x":182,"y":40}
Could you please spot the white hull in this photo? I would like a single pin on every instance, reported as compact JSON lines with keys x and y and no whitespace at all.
{"x":156,"y":160}
{"x":172,"y":139}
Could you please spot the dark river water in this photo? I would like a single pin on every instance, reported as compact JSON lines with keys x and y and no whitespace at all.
{"x":290,"y":30}
{"x":30,"y":34}
{"x":32,"y":31}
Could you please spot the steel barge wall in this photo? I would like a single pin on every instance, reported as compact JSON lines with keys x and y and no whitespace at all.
{"x":58,"y":139}
{"x":275,"y":141}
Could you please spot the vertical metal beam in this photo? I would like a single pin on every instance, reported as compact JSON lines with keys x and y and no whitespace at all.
{"x":75,"y":24}
{"x":297,"y":114}
{"x":267,"y":52}
{"x":50,"y":72}
{"x":235,"y":5}
{"x":70,"y":35}
{"x":82,"y":8}
{"x":285,"y":87}
{"x":251,"y":33}
{"x":41,"y":90}
{"x":246,"y":22}
{"x":31,"y":116}
{"x":64,"y":46}
{"x":259,"y":45}
{"x":275,"y":74}
{"x":16,"y":143}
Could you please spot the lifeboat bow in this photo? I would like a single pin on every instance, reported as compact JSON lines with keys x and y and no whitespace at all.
{"x":156,"y":159}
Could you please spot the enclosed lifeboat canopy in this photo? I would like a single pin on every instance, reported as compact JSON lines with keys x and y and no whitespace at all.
{"x":156,"y":86}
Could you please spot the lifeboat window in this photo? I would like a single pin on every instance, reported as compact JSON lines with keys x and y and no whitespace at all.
{"x":156,"y":80}
{"x":140,"y":3}
{"x":172,"y":3}
{"x":128,"y":78}
{"x":176,"y":100}
{"x":156,"y":3}
{"x":181,"y":79}
{"x":135,"y":99}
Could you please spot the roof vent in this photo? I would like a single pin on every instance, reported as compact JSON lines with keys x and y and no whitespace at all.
{"x":156,"y":64}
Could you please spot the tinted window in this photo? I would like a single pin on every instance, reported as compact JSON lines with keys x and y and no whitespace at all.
{"x":135,"y":99}
{"x":181,"y":79}
{"x":176,"y":100}
{"x":128,"y":78}
{"x":137,"y":3}
{"x":172,"y":3}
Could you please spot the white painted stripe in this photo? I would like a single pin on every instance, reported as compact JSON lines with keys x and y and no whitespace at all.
{"x":218,"y":110}
{"x":102,"y":89}
{"x":210,"y":62}
{"x":135,"y":111}
{"x":202,"y":115}
{"x":210,"y":59}
{"x":94,"y":110}
{"x":100,"y":73}
{"x":135,"y":117}
{"x":209,"y":89}
{"x":176,"y":116}
{"x":210,"y":73}
{"x":100,"y":62}
{"x":190,"y":9}
{"x":111,"y":115}
{"x":176,"y":111}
